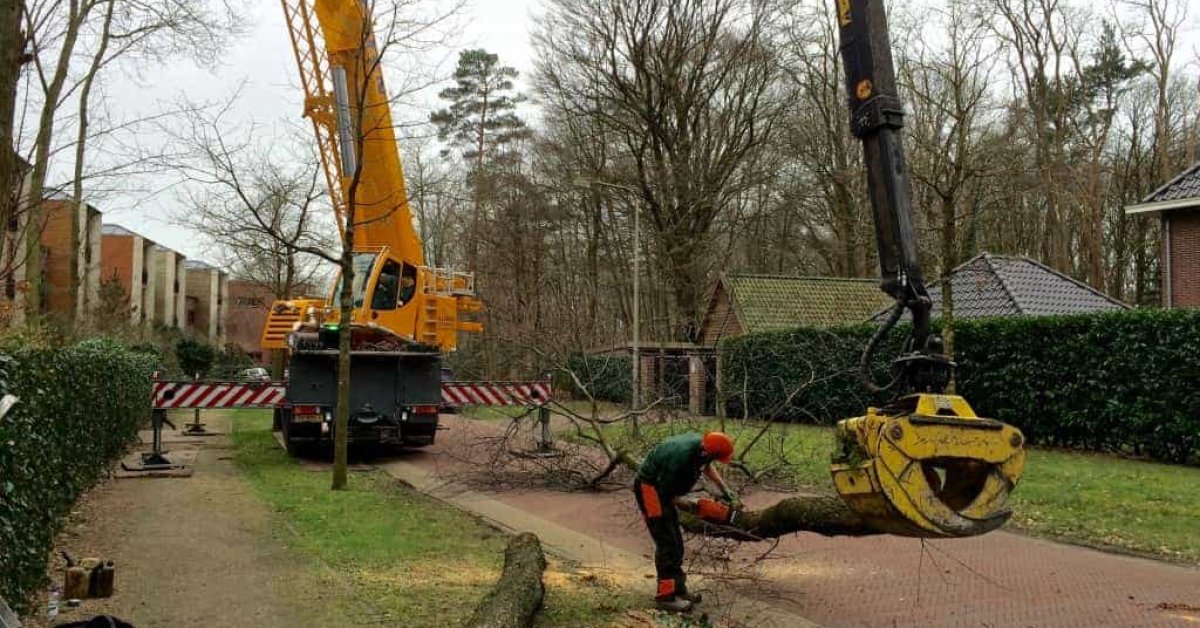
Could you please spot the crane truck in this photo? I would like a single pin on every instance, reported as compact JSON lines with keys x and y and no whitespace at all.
{"x":405,"y":313}
{"x":923,"y":464}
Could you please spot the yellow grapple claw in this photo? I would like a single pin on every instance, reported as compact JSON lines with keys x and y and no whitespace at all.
{"x":928,"y":467}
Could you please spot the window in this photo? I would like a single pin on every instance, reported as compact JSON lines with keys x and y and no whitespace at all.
{"x":387,"y":287}
{"x":364,"y":263}
{"x":408,"y":284}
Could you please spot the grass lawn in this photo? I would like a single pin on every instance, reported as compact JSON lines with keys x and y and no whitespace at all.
{"x":403,"y":558}
{"x":1091,"y":499}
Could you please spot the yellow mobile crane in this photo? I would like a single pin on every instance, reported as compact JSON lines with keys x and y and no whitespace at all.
{"x":405,"y":314}
{"x":922,"y":465}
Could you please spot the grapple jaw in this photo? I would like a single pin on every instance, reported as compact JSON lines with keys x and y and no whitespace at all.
{"x":928,"y":467}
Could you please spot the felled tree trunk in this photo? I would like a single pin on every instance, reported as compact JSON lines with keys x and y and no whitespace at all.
{"x":517,"y":596}
{"x":827,"y":515}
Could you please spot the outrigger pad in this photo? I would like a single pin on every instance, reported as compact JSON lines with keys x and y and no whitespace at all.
{"x":150,"y":464}
{"x":928,"y":467}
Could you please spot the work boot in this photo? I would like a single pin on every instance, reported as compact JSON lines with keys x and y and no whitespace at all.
{"x":694,"y":598}
{"x":674,"y":604}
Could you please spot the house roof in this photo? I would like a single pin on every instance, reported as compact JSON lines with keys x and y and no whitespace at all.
{"x":115,"y":229}
{"x":770,"y":302}
{"x":991,"y":285}
{"x":1181,"y":192}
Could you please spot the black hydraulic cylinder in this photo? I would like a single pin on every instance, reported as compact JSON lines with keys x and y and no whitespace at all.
{"x":877,"y":117}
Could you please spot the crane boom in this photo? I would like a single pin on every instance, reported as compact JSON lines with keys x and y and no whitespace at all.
{"x":347,"y":102}
{"x":924,"y":465}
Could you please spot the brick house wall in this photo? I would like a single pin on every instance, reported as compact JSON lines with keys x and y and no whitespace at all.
{"x":122,"y":260}
{"x":1181,"y":244}
{"x":150,"y":288}
{"x":719,"y":322}
{"x":57,"y":251}
{"x":56,"y":258}
{"x":247,"y":305}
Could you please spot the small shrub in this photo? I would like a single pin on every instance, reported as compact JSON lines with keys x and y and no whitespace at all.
{"x":195,"y":357}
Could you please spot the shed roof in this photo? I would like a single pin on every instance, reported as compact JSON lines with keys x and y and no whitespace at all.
{"x":770,"y":302}
{"x":990,"y":285}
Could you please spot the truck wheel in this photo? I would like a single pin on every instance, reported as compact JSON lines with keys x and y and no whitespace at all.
{"x":295,"y":448}
{"x":277,"y":420}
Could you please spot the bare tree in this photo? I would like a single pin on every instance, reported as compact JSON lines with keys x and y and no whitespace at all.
{"x":820,"y":185}
{"x":259,"y":200}
{"x":948,"y":85}
{"x":689,"y":88}
{"x":101,"y":33}
{"x":358,"y":127}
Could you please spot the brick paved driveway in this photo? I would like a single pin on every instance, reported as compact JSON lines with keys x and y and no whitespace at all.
{"x":998,"y":580}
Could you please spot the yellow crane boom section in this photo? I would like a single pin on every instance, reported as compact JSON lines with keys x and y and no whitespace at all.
{"x":358,"y":133}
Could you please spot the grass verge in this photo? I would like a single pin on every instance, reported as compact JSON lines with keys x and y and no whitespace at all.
{"x":1090,"y":499}
{"x":402,"y":557}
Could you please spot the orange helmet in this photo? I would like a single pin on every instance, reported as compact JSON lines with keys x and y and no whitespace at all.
{"x":718,"y":446}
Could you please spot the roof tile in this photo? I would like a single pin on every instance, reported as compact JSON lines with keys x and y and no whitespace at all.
{"x":1185,"y":185}
{"x":988,"y":286}
{"x":769,"y":302}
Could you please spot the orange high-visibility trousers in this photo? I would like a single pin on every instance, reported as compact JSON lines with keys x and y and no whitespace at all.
{"x":662,"y":520}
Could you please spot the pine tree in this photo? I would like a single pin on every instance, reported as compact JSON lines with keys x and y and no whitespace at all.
{"x":481,"y":122}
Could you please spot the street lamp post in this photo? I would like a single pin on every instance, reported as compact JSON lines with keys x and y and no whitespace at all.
{"x":635,"y":392}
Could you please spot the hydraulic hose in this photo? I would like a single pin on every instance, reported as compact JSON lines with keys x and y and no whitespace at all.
{"x":864,"y":363}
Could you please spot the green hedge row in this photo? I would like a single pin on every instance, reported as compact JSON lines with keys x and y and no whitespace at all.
{"x":1126,"y":382}
{"x":606,"y":377}
{"x":79,"y":408}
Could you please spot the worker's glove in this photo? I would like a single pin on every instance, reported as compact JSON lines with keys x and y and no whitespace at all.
{"x":731,"y":498}
{"x":714,"y":511}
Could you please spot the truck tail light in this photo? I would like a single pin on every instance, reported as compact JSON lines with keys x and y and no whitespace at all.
{"x":425,"y":409}
{"x":306,"y":410}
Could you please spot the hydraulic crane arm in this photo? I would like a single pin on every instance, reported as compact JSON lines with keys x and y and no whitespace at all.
{"x":924,"y":465}
{"x":877,"y":118}
{"x":348,"y":105}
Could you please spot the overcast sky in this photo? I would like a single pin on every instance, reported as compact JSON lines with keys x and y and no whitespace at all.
{"x":263,"y":60}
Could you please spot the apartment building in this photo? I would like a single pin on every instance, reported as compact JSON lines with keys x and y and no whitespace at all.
{"x":207,"y":301}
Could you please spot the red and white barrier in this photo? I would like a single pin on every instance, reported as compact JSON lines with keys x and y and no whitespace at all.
{"x":200,"y":394}
{"x":495,"y":393}
{"x":187,"y":395}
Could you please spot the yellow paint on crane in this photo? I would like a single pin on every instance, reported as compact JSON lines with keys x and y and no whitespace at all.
{"x":928,"y":467}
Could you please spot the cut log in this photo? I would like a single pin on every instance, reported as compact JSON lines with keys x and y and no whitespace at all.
{"x":517,"y":596}
{"x":827,"y":515}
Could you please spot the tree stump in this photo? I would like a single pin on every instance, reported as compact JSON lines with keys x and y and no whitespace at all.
{"x":517,"y":596}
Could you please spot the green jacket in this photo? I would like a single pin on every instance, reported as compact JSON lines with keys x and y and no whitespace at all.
{"x":674,"y":465}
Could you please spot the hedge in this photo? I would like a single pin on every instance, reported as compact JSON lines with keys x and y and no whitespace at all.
{"x":79,"y":408}
{"x":607,"y":377}
{"x":1119,"y":382}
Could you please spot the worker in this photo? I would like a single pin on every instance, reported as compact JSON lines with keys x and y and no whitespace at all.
{"x":667,"y":474}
